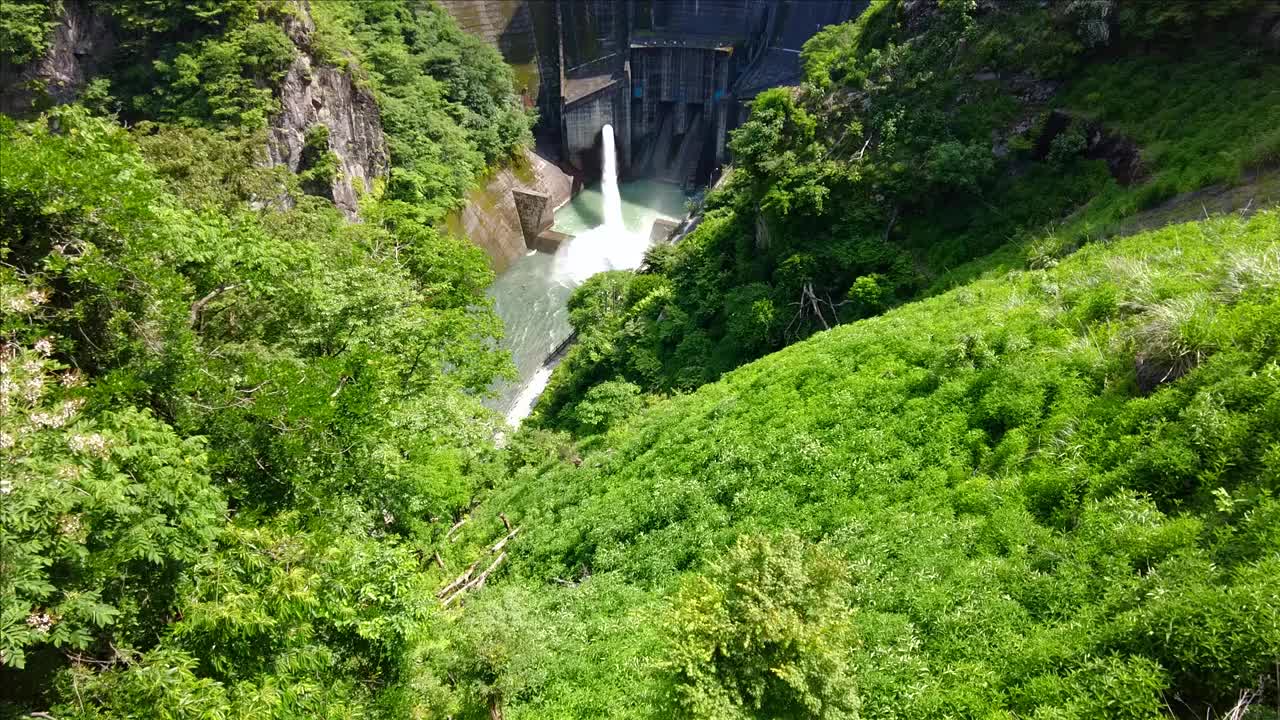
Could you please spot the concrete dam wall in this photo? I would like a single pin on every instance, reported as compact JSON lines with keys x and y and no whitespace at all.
{"x":673,"y":77}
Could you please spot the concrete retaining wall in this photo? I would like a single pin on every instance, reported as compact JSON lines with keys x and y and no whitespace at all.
{"x":492,"y":217}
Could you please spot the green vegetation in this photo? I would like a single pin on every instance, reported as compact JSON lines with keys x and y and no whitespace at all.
{"x":199,"y":63}
{"x":278,"y":404}
{"x":25,"y":26}
{"x":231,"y":418}
{"x":924,"y":138}
{"x":1048,"y":493}
{"x":245,"y":471}
{"x":448,"y":101}
{"x":318,"y":166}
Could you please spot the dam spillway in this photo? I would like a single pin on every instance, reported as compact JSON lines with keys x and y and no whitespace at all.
{"x":690,"y":66}
{"x":635,"y":100}
{"x":530,"y":296}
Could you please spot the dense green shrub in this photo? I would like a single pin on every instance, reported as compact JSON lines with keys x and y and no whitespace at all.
{"x":100,"y":513}
{"x":201,"y":64}
{"x":1017,"y":526}
{"x":766,"y":633}
{"x":318,"y":166}
{"x":25,"y":27}
{"x":316,"y":377}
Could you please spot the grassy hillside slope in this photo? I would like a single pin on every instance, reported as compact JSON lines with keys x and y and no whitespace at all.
{"x":925,"y":136}
{"x":1045,"y":494}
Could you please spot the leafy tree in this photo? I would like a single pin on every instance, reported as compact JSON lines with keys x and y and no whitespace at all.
{"x":765,"y":634}
{"x":321,"y":375}
{"x":607,"y":404}
{"x":25,"y":28}
{"x":101,"y":511}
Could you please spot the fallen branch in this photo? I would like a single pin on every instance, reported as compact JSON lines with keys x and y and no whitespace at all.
{"x":342,"y":382}
{"x":460,"y":581}
{"x":501,"y":543}
{"x":475,"y":584}
{"x":449,"y":535}
{"x":466,"y":581}
{"x":479,"y":581}
{"x":858,"y":155}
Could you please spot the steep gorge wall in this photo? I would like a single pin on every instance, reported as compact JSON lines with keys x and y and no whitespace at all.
{"x":311,"y":94}
{"x":81,"y":43}
{"x":314,"y":94}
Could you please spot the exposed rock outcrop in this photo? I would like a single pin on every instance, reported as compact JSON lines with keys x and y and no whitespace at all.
{"x":1122,"y":154}
{"x":492,"y":217}
{"x":315,"y":94}
{"x":78,"y":48}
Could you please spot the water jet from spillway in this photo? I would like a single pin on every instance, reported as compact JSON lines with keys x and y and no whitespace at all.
{"x":610,"y":228}
{"x":611,"y":245}
{"x":609,"y":182}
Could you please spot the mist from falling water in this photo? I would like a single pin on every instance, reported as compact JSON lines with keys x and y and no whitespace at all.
{"x":609,"y":246}
{"x":532,"y":295}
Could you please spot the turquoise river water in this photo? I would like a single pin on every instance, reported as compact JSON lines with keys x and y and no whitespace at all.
{"x":530,"y":295}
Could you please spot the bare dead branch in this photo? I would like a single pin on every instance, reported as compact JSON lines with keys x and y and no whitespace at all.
{"x":449,"y":535}
{"x":893,"y":218}
{"x":502,"y":543}
{"x":198,"y":306}
{"x":460,"y":581}
{"x":475,"y":584}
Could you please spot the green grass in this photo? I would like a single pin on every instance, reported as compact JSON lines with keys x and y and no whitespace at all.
{"x":1207,"y":118}
{"x":1024,"y":532}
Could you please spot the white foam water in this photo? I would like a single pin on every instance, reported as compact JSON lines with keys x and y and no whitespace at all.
{"x":523,"y":404}
{"x":610,"y":246}
{"x":610,"y":228}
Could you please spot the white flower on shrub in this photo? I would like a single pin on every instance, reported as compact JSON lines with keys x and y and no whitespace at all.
{"x":34,"y":388}
{"x":69,"y":524}
{"x":44,"y":419}
{"x":91,"y":444}
{"x":40,"y":622}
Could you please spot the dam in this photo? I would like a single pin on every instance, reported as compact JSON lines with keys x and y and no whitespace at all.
{"x":635,"y":102}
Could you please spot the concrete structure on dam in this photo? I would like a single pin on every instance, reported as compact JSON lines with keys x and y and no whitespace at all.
{"x":673,"y":77}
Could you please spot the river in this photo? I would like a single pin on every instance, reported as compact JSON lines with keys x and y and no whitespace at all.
{"x":530,"y":295}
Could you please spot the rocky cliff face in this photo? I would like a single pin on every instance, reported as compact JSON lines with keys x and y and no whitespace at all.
{"x":79,"y":46}
{"x":314,"y":94}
